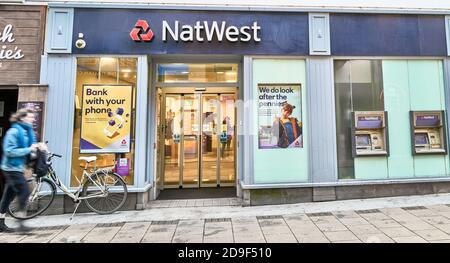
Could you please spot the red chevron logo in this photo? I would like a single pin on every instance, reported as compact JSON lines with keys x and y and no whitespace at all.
{"x":141,"y":32}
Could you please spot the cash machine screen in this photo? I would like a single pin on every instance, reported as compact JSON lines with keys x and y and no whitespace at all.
{"x":363,"y":140}
{"x":421,"y":139}
{"x":369,"y":122}
{"x":427,"y":120}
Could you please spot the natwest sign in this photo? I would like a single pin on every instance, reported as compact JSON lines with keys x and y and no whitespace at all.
{"x":164,"y":32}
{"x":201,"y":31}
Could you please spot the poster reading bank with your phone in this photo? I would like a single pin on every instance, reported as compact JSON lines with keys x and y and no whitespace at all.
{"x":106,"y":117}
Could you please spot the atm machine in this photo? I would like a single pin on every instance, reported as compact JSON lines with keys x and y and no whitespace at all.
{"x":428,"y":132}
{"x":369,"y":133}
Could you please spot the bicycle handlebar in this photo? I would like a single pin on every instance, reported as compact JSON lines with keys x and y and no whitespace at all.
{"x":51,"y":155}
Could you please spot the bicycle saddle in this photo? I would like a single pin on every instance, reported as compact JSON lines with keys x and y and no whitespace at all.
{"x":88,"y":159}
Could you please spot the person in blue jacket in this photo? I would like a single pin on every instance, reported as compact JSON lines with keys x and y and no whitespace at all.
{"x":18,"y":143}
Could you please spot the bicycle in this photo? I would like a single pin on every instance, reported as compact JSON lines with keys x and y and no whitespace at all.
{"x":103,"y":191}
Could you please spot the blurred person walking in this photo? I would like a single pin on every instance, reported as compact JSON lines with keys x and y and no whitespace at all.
{"x":19,"y":144}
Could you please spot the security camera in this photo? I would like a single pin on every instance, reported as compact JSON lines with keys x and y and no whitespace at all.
{"x":80,"y":43}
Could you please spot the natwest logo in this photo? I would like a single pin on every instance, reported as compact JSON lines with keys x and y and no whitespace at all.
{"x":141,"y":32}
{"x":204,"y":30}
{"x":201,"y":31}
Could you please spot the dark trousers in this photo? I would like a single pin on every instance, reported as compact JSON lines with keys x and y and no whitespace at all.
{"x":2,"y":184}
{"x":16,"y":185}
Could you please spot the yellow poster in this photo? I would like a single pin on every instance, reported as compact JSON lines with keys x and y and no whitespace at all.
{"x":106,"y":119}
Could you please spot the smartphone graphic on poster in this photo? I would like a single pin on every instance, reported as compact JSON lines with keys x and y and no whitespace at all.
{"x":113,"y":125}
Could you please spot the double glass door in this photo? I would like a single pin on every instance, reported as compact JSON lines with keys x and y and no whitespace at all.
{"x":198,"y":130}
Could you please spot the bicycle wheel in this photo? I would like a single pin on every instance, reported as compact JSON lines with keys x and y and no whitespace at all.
{"x":114,"y":197}
{"x":42,"y":193}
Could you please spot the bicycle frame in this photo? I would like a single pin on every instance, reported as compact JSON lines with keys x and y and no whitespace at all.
{"x":94,"y":183}
{"x":84,"y":179}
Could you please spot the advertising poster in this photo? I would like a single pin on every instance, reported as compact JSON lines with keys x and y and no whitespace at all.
{"x":279,"y":116}
{"x":106,"y":119}
{"x":38,"y":108}
{"x":123,"y":167}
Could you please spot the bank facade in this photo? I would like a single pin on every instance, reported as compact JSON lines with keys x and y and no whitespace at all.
{"x":192,"y":99}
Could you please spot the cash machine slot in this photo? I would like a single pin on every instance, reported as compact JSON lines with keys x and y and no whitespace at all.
{"x":428,"y":132}
{"x":369,"y":133}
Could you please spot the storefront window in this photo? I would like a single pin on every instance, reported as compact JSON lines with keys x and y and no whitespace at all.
{"x":104,"y":120}
{"x":179,"y":72}
{"x":358,"y":87}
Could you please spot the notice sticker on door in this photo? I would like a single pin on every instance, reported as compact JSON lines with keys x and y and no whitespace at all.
{"x":123,"y":167}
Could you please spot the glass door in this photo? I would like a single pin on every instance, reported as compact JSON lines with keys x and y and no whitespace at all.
{"x":210,"y":142}
{"x":227,"y":138}
{"x":171,"y":136}
{"x":190,"y":140}
{"x":199,"y":139}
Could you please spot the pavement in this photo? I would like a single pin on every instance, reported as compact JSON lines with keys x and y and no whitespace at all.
{"x":410,"y":219}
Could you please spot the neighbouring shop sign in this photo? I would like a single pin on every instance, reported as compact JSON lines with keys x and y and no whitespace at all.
{"x":21,"y":43}
{"x":279,"y":116}
{"x":106,"y":119}
{"x":38,"y":108}
{"x":7,"y":37}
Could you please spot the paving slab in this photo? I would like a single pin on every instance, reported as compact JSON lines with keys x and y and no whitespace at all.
{"x":393,"y":232}
{"x":306,"y":231}
{"x":340,"y":236}
{"x":423,"y":212}
{"x":189,"y":231}
{"x":131,"y":233}
{"x":274,"y":226}
{"x":12,"y":238}
{"x":436,"y":220}
{"x":313,"y":238}
{"x":363,"y":229}
{"x":101,"y":235}
{"x":444,"y":227}
{"x":218,"y":232}
{"x":73,"y":234}
{"x":374,"y":238}
{"x":345,"y":214}
{"x":417,"y":225}
{"x":159,"y":233}
{"x":431,"y":235}
{"x":331,"y":227}
{"x":412,"y":239}
{"x":385,"y":223}
{"x":354,"y":221}
{"x":374,"y":216}
{"x":42,"y":236}
{"x":280,"y":238}
{"x":297,"y":217}
{"x":247,"y":230}
{"x":193,"y":238}
{"x":440,"y":241}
